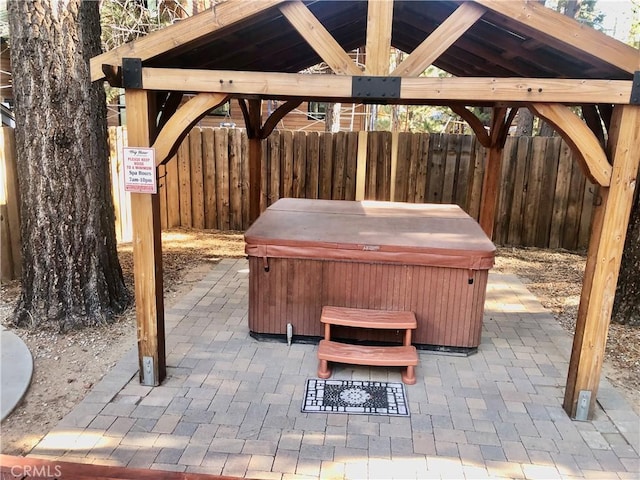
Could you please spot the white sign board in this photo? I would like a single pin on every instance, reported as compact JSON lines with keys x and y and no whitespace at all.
{"x":140,"y":170}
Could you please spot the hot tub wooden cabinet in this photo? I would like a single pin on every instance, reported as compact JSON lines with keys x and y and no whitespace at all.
{"x":430,"y":259}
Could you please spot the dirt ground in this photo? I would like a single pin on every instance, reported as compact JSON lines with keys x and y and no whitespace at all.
{"x":67,"y":366}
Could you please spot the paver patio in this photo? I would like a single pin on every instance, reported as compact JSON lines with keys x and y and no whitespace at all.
{"x":231,"y":405}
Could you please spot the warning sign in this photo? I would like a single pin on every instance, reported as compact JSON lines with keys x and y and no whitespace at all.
{"x":140,"y":170}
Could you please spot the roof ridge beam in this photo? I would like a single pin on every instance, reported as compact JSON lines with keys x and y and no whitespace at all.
{"x":185,"y":31}
{"x":463,"y":18}
{"x":567,"y":31}
{"x":319,"y":38}
{"x":378,"y":44}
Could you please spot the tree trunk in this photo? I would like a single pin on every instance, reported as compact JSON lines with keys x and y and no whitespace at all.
{"x":626,"y":306}
{"x":332,"y":117}
{"x":71,"y":276}
{"x":524,"y":127}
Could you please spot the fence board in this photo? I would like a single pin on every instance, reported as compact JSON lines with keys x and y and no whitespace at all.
{"x":197,"y":179}
{"x":591,"y":195}
{"x":507,"y":180}
{"x":173,"y":193}
{"x":162,"y":193}
{"x":184,"y":184}
{"x":450,"y":169}
{"x":209,"y":179}
{"x":11,"y":255}
{"x":244,"y":163}
{"x":274,"y":166}
{"x":437,"y":159}
{"x":235,"y":179}
{"x":312,"y":181}
{"x":286,"y":163}
{"x":545,"y":207}
{"x":420,"y":193}
{"x":403,"y":167}
{"x":463,"y":168}
{"x":299,"y":164}
{"x":351,"y":166}
{"x":326,"y":166}
{"x":533,"y":188}
{"x":574,"y":208}
{"x":561,"y":196}
{"x":339,"y":167}
{"x":519,"y":191}
{"x":264,"y":176}
{"x":221,"y":141}
{"x":479,"y":155}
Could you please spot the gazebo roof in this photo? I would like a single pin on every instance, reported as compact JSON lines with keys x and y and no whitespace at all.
{"x":492,"y":39}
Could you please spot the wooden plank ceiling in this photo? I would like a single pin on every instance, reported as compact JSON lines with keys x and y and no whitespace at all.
{"x":507,"y":41}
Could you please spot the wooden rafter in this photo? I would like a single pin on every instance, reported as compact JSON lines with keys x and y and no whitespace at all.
{"x":378,"y":45}
{"x":187,"y":30}
{"x":579,"y":136}
{"x":319,"y":38}
{"x":420,"y":90}
{"x":547,"y":23}
{"x":437,"y":43}
{"x":178,"y":126}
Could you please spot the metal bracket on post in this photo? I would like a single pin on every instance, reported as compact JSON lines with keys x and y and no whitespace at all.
{"x":371,"y":89}
{"x":582,"y":409}
{"x":147,"y":372}
{"x":635,"y":89}
{"x":131,"y":73}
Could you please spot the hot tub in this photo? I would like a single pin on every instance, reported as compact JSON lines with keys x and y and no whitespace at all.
{"x":430,"y":259}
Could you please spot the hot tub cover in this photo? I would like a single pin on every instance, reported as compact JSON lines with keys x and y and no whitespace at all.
{"x":370,"y":231}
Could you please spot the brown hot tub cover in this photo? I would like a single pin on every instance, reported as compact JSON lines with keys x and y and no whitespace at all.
{"x":370,"y":231}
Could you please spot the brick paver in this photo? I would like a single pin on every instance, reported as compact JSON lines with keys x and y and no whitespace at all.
{"x":231,"y":405}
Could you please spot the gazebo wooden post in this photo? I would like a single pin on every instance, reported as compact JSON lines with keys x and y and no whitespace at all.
{"x":603,"y":264}
{"x":255,"y":157}
{"x":491,"y":180}
{"x":147,"y":248}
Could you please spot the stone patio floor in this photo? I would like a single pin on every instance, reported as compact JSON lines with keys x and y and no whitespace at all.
{"x":232,"y":405}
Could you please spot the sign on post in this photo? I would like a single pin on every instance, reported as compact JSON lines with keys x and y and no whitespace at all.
{"x":140,"y":170}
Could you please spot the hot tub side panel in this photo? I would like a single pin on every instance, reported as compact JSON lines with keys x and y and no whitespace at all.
{"x":448,"y":308}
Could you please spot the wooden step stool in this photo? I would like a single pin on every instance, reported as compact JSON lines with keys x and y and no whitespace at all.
{"x":394,"y":356}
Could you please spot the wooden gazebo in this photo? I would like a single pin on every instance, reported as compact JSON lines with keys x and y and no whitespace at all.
{"x":502,"y":55}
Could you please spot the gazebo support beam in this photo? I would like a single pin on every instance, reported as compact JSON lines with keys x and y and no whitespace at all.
{"x":603,"y":265}
{"x":178,"y":125}
{"x":413,"y":90}
{"x":378,"y":45}
{"x":500,"y":123}
{"x":581,"y":138}
{"x":147,"y":249}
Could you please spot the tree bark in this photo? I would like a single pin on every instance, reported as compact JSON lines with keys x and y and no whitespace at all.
{"x":71,"y":274}
{"x":524,"y":127}
{"x":626,"y":306}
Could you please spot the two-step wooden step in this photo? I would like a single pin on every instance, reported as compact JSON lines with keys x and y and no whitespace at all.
{"x":391,"y":356}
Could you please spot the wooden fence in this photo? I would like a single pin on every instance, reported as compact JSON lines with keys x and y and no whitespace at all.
{"x":545,"y":200}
